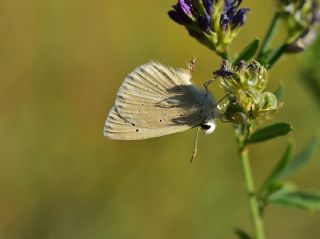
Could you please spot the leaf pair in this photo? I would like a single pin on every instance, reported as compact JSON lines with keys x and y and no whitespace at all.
{"x":275,"y":191}
{"x":267,"y":58}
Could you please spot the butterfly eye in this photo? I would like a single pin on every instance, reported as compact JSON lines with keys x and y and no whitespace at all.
{"x":205,"y":126}
{"x":208,"y":127}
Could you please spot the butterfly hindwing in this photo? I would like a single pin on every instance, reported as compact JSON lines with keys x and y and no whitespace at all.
{"x":153,"y":101}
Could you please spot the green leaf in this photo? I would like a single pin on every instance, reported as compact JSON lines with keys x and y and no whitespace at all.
{"x":278,"y":170}
{"x":301,"y":159}
{"x":242,"y":234}
{"x":279,"y":92}
{"x":270,"y":132}
{"x":275,"y":190}
{"x":248,"y":53}
{"x":305,"y":200}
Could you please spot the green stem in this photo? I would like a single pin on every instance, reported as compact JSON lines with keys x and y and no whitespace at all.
{"x":225,"y":55}
{"x":277,"y":53}
{"x":254,"y":204}
{"x":270,"y":35}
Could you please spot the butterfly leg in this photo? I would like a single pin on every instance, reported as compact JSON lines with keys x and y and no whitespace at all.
{"x":223,"y":120}
{"x":206,"y":84}
{"x":217,"y":105}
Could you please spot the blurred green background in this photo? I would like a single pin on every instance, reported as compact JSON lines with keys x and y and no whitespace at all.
{"x":61,"y":64}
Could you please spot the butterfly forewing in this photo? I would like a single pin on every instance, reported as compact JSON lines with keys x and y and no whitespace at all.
{"x":153,"y":101}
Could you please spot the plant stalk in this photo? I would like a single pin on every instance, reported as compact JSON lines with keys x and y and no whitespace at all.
{"x":270,"y":35}
{"x":254,"y":204}
{"x":224,"y":55}
{"x":277,"y":53}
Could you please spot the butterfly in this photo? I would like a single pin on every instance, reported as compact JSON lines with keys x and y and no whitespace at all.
{"x":155,"y":100}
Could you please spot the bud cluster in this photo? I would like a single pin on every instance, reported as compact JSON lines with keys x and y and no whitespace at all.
{"x":246,"y":83}
{"x":302,"y":18}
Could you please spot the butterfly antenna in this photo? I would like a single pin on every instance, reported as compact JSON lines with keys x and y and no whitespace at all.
{"x":216,"y":106}
{"x":207,"y":83}
{"x":195,"y":147}
{"x":227,"y":95}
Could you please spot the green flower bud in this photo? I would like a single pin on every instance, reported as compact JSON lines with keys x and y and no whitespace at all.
{"x":268,"y":102}
{"x":246,"y":82}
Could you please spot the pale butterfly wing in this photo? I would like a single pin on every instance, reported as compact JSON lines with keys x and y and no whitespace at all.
{"x":153,"y":101}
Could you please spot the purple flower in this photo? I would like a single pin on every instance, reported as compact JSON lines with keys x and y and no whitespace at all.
{"x":200,"y":18}
{"x":179,"y":16}
{"x":240,"y":17}
{"x":204,"y":22}
{"x":208,"y":4}
{"x":201,"y":13}
{"x":224,"y":21}
{"x":232,"y":5}
{"x":232,"y":16}
{"x":186,"y":6}
{"x":187,"y":10}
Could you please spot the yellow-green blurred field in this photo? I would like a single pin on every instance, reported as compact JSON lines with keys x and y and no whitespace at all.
{"x":61,"y":64}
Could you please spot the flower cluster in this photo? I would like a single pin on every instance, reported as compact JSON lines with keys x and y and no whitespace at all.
{"x":214,"y":23}
{"x":302,"y":18}
{"x":246,"y":83}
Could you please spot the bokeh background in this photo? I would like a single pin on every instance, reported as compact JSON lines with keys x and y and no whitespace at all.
{"x":61,"y":64}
